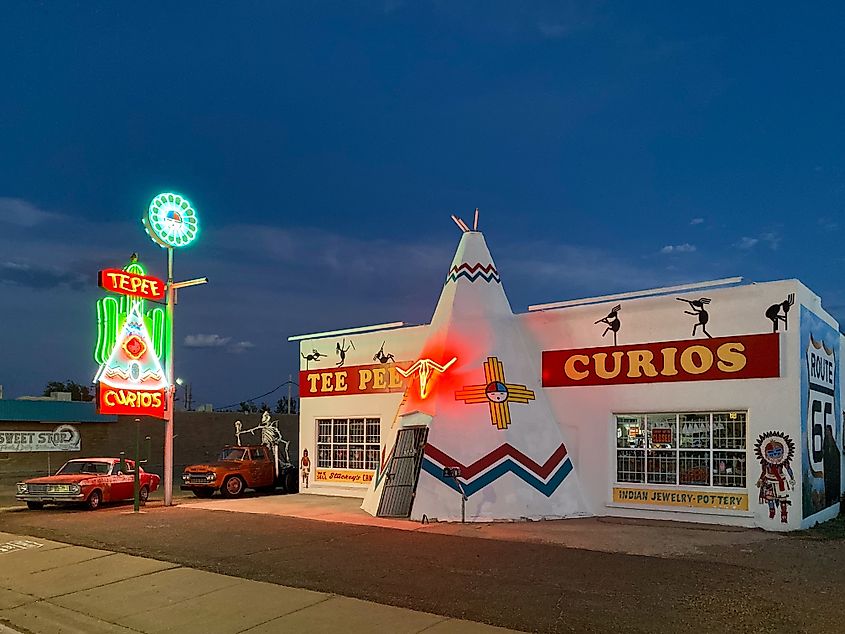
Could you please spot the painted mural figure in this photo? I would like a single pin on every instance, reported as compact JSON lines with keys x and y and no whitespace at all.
{"x":314,"y":356}
{"x":697,"y":306}
{"x":775,"y":451}
{"x":305,"y":467}
{"x":612,"y":322}
{"x":342,"y":349}
{"x":773,"y":312}
{"x":381,"y":357}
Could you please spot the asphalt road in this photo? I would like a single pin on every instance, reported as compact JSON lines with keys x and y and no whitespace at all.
{"x":785,"y":585}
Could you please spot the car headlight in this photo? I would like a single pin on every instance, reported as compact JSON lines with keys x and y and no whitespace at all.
{"x":22,"y":488}
{"x":186,"y":477}
{"x":211,"y":477}
{"x":75,"y":488}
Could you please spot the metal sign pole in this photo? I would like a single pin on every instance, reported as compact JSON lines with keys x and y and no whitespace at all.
{"x":137,"y":464}
{"x":168,"y":423}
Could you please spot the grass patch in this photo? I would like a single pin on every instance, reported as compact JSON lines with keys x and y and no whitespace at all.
{"x":831,"y":529}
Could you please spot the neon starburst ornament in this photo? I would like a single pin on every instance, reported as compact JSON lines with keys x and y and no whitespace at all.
{"x":171,"y":221}
{"x":425,"y":370}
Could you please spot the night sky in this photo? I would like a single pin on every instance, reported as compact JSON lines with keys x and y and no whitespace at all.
{"x":609,"y":146}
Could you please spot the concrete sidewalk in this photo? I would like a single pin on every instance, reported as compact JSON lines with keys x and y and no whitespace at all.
{"x":49,"y":587}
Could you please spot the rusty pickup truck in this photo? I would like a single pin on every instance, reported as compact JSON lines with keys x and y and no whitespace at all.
{"x":242,"y":467}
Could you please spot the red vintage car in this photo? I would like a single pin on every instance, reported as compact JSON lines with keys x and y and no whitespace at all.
{"x":90,"y":481}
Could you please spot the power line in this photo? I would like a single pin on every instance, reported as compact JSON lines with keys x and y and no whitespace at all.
{"x":255,"y":398}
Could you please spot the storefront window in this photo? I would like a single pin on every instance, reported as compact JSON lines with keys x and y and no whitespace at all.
{"x":348,"y":443}
{"x":689,"y":449}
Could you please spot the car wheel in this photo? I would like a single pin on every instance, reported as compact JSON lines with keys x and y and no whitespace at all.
{"x":232,"y":487}
{"x":291,"y":483}
{"x":35,"y":506}
{"x":203,"y":493}
{"x":93,"y":501}
{"x":144,"y":494}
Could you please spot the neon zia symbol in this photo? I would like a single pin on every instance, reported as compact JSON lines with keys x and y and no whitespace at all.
{"x":425,"y":368}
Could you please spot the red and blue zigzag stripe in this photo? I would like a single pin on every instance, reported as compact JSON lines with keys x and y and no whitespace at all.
{"x":479,"y":474}
{"x":486,"y":272}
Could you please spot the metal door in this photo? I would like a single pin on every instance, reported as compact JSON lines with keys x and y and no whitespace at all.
{"x":402,"y":473}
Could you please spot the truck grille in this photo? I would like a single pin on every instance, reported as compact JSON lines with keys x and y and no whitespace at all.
{"x":198,"y":478}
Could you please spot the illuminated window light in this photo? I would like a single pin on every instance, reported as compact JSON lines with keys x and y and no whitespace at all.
{"x":425,"y":369}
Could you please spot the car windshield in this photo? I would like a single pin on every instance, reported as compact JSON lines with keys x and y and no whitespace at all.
{"x":232,"y":453}
{"x":81,"y":466}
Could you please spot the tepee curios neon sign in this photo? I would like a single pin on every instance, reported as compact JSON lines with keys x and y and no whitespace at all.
{"x":171,"y":221}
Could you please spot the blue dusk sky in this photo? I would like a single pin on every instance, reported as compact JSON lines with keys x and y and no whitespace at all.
{"x":610,"y":147}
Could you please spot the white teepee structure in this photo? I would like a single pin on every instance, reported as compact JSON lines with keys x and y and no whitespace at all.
{"x":486,"y":414}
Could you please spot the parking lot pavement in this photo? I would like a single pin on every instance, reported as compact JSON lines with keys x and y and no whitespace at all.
{"x":50,"y":587}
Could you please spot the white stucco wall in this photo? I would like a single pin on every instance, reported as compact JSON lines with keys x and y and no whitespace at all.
{"x":587,"y":412}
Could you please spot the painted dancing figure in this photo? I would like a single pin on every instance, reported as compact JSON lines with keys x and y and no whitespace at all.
{"x":342,"y":349}
{"x":697,"y":306}
{"x":775,"y":451}
{"x":612,"y":322}
{"x":305,"y":467}
{"x":314,"y":356}
{"x":381,"y":357}
{"x":773,"y":312}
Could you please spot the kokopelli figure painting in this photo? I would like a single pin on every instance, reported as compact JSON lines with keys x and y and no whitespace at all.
{"x":342,"y":349}
{"x":773,"y":312}
{"x":381,"y":357}
{"x":697,"y":309}
{"x":612,"y":322}
{"x":314,"y":356}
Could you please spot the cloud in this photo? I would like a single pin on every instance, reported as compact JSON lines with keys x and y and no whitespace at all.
{"x":206,"y":341}
{"x":686,"y":247}
{"x":697,"y":221}
{"x":217,"y":341}
{"x":21,"y":213}
{"x":747,"y":243}
{"x":770,"y":238}
{"x":40,"y":277}
{"x":240,"y":347}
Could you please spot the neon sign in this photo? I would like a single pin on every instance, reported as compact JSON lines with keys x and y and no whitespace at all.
{"x":132,"y":284}
{"x":132,"y":381}
{"x":425,"y":369}
{"x":113,"y":311}
{"x":171,"y":221}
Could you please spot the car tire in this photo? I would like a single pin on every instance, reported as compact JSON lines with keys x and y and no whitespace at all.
{"x":94,"y":500}
{"x":35,"y":506}
{"x":291,"y":482}
{"x":233,"y":487}
{"x":144,"y":494}
{"x":204,"y":493}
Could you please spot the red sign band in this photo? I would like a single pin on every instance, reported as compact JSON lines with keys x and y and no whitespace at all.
{"x":124,"y":283}
{"x":743,"y":357}
{"x":358,"y":379}
{"x":112,"y":400}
